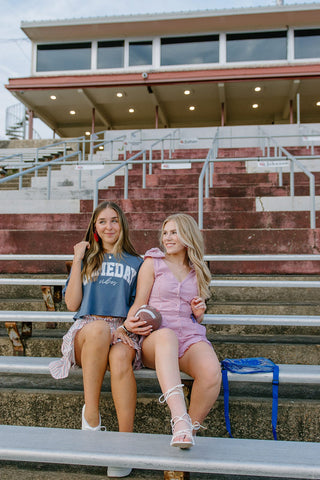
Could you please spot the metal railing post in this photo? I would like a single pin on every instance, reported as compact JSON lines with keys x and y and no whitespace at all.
{"x":49,"y":182}
{"x":150,"y":160}
{"x":211,"y":165}
{"x":313,"y":203}
{"x":144,"y":170}
{"x":291,"y":178}
{"x":126,"y":182}
{"x":20,"y":179}
{"x":206,"y":182}
{"x":200,"y":205}
{"x":83,"y":149}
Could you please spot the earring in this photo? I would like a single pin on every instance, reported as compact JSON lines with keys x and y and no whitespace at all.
{"x":96,"y":236}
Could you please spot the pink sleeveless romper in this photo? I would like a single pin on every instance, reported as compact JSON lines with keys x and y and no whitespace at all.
{"x":172,"y":298}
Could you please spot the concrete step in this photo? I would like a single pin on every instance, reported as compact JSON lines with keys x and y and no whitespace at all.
{"x":250,"y":413}
{"x":24,"y":304}
{"x":246,"y":241}
{"x":262,"y":295}
{"x":179,"y":191}
{"x":179,"y":153}
{"x":183,"y":204}
{"x":212,"y":219}
{"x":58,"y":221}
{"x":301,"y":349}
{"x":171,"y":191}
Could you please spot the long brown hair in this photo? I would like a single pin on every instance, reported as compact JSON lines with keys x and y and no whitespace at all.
{"x":93,"y":258}
{"x":189,"y":234}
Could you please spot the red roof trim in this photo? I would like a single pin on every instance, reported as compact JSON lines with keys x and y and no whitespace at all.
{"x":186,"y":76}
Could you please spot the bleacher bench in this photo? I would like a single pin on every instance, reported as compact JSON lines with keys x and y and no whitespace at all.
{"x":289,"y":374}
{"x":281,"y":459}
{"x":209,"y":318}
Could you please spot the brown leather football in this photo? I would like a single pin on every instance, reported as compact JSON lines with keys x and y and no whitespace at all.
{"x":150,"y":315}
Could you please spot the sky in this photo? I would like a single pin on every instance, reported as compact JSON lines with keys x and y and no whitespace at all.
{"x":15,"y":47}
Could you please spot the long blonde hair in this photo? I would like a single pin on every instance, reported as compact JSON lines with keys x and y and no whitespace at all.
{"x":189,"y":234}
{"x":93,"y":258}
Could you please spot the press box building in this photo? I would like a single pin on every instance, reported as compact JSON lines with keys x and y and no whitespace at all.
{"x":243,"y":66}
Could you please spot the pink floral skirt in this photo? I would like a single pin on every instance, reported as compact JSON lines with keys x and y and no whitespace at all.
{"x":61,"y":368}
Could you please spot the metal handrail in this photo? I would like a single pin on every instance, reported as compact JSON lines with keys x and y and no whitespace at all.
{"x":39,"y":167}
{"x":3,"y":159}
{"x":129,"y":161}
{"x":125,"y":165}
{"x":103,"y":143}
{"x":211,"y":157}
{"x":293,"y":162}
{"x":172,"y":138}
{"x":62,"y":142}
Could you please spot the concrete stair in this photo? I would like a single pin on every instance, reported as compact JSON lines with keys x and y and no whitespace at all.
{"x":232,"y":224}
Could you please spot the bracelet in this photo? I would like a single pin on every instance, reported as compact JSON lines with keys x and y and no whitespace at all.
{"x":126,"y":330}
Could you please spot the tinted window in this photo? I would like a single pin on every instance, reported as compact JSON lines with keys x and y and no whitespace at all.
{"x":67,"y":56}
{"x":110,"y":54}
{"x":248,"y":47}
{"x":190,"y":50}
{"x":140,"y":53}
{"x":307,"y":43}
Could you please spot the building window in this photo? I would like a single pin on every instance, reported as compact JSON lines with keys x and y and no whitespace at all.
{"x":307,"y":43}
{"x":111,"y":54}
{"x":66,"y":56}
{"x":190,"y":50}
{"x":140,"y":53}
{"x":250,"y":47}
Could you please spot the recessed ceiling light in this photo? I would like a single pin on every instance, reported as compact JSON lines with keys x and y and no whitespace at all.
{"x":318,"y":104}
{"x":255,"y":105}
{"x":53,"y":97}
{"x":119,"y":94}
{"x":88,"y":133}
{"x":257,"y":89}
{"x":187,"y":92}
{"x":72,"y":112}
{"x":101,"y":147}
{"x":192,"y":107}
{"x":131,"y":110}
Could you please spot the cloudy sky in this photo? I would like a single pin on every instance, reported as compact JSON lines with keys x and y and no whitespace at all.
{"x":15,"y":47}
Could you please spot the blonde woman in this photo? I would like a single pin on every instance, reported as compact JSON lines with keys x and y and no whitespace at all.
{"x":101,"y":288}
{"x":175,"y":280}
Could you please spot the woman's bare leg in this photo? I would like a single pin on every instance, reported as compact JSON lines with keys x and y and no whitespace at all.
{"x":123,"y":384}
{"x":160,"y":351}
{"x":91,"y":346}
{"x":201,"y":363}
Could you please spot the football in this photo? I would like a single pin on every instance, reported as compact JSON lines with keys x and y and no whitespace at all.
{"x":150,"y":315}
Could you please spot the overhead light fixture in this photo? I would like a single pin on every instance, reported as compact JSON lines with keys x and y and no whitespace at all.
{"x":187,"y":92}
{"x":318,"y":104}
{"x":53,"y":97}
{"x":72,"y":112}
{"x":255,"y":105}
{"x":119,"y":94}
{"x":257,"y":89}
{"x":192,"y":107}
{"x":87,"y":133}
{"x":101,"y":147}
{"x":131,"y":110}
